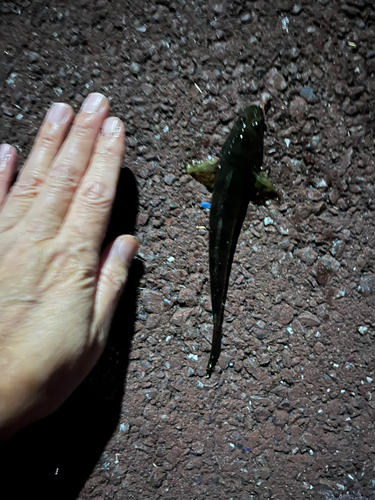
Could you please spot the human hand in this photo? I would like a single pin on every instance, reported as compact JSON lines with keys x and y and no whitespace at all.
{"x":57,"y":293}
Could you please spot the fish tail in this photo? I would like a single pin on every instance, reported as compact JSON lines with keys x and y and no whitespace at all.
{"x":216,"y":343}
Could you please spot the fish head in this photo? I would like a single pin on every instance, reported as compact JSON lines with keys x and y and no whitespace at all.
{"x":244,"y":145}
{"x":253,"y":126}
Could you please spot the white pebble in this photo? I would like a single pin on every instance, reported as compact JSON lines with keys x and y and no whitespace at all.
{"x":285,"y":23}
{"x":268,"y":221}
{"x":193,"y":356}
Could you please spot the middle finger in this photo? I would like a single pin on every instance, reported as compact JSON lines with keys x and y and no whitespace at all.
{"x":48,"y":212}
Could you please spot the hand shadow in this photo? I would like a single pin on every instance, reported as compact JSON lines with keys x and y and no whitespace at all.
{"x":53,"y":458}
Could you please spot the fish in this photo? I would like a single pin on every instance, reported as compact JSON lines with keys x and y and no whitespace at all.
{"x":234,"y":180}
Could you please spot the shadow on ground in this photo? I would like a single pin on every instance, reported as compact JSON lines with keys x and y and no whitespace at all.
{"x":54,"y":457}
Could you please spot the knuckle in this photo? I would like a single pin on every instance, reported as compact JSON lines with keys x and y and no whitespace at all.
{"x":96,"y":192}
{"x":47,"y":139}
{"x":28,"y":187}
{"x":85,"y":124}
{"x":65,"y":173}
{"x":105,"y":154}
{"x":112,"y":279}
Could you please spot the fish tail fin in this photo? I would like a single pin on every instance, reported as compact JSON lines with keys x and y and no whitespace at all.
{"x":216,"y":344}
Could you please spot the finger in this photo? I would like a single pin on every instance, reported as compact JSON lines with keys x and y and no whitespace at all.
{"x":46,"y":215}
{"x":8,"y":158}
{"x":113,"y":273}
{"x":89,"y":213}
{"x":32,"y":176}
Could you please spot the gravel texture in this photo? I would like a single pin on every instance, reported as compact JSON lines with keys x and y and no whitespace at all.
{"x":289,"y":411}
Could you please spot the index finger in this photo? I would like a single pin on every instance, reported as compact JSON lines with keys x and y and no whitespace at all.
{"x":87,"y":218}
{"x":8,"y":157}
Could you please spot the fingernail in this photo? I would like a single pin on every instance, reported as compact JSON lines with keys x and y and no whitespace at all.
{"x":126,"y":248}
{"x":112,"y":127}
{"x":93,"y":103}
{"x":58,"y":114}
{"x":5,"y":152}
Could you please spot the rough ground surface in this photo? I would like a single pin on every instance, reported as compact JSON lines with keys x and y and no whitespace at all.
{"x":289,"y":412}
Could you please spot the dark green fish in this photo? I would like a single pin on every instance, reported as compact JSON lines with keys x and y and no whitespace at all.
{"x":236,"y":179}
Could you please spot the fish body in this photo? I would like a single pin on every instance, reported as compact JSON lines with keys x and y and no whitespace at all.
{"x":235,"y":185}
{"x":234,"y":180}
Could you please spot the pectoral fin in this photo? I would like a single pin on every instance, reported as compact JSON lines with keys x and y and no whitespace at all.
{"x":204,"y":172}
{"x":264,"y":188}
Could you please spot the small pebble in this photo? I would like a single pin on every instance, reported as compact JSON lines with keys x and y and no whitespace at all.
{"x":135,"y":68}
{"x":367,"y":285}
{"x":307,"y":93}
{"x":169,"y":178}
{"x":34,"y":57}
{"x":193,"y":356}
{"x":218,"y":8}
{"x":298,"y":108}
{"x":285,"y":22}
{"x":268,"y":221}
{"x":276,"y":80}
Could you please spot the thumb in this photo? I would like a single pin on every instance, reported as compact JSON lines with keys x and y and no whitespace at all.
{"x":113,"y":273}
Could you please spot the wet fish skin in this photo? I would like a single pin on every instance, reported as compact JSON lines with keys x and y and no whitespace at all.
{"x":235,"y":186}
